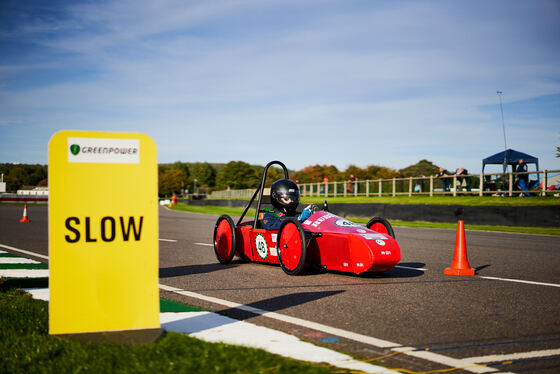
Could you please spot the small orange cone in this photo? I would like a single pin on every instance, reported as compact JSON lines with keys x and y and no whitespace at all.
{"x":24,"y":218}
{"x":460,"y":264}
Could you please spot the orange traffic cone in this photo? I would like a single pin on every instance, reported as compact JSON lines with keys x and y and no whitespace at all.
{"x":460,"y":264}
{"x":24,"y":218}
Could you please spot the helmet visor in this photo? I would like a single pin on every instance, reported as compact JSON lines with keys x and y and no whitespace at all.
{"x":289,"y":197}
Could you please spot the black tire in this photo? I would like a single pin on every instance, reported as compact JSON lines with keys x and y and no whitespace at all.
{"x":383,"y":222}
{"x":227,"y":232}
{"x":296,"y":249}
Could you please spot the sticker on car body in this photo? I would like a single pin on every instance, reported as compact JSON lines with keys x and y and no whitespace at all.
{"x":320,"y":220}
{"x":261,"y":246}
{"x":273,"y":251}
{"x":374,"y":236}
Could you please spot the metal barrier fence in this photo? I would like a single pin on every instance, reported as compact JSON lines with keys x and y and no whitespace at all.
{"x":503,"y":184}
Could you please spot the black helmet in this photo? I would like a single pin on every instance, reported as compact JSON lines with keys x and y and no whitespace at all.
{"x":284,"y":195}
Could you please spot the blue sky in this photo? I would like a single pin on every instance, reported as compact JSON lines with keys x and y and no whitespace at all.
{"x":306,"y":82}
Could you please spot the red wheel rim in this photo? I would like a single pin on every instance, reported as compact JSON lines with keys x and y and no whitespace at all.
{"x":224,"y":239}
{"x":379,"y":227}
{"x":290,"y":246}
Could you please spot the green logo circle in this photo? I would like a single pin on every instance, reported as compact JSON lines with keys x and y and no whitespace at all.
{"x":75,"y":149}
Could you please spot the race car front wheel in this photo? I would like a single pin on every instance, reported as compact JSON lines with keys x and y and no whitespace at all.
{"x":291,"y":246}
{"x":381,"y":225}
{"x":224,"y":239}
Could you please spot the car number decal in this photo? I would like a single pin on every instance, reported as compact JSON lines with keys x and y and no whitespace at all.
{"x":344,"y":223}
{"x":261,"y":246}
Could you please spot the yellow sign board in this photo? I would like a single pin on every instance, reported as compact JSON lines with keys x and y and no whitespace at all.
{"x":103,"y":232}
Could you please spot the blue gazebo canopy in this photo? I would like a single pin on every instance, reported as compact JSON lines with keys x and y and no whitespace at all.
{"x":509,"y":157}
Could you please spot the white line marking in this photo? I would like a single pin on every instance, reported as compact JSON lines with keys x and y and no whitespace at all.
{"x":479,"y":276}
{"x":23,"y":251}
{"x":445,"y":360}
{"x":17,"y":260}
{"x":293,"y":320}
{"x":514,"y":356}
{"x":466,"y":364}
{"x":20,"y":273}
{"x":410,"y":268}
{"x":168,"y":240}
{"x":521,"y":281}
{"x":214,"y":327}
{"x":39,"y":293}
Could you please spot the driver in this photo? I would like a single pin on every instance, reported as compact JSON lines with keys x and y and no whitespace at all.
{"x":284,"y":195}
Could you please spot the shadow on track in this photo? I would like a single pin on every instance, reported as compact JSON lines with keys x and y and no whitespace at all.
{"x":277,"y":303}
{"x":209,"y":321}
{"x":179,"y":271}
{"x":402,"y":270}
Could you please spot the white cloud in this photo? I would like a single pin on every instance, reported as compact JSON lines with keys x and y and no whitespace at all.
{"x":310,"y":82}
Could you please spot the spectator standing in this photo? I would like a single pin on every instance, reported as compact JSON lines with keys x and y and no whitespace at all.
{"x":522,"y":180}
{"x":444,"y":181}
{"x":325,"y":186}
{"x":459,"y":173}
{"x":349,"y":183}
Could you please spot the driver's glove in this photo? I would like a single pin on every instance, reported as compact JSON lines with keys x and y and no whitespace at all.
{"x":306,"y":213}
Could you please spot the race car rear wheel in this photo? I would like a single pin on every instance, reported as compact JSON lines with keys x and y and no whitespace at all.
{"x":381,"y":225}
{"x":291,"y":246}
{"x":224,"y":239}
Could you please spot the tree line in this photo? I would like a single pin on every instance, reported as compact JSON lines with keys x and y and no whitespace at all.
{"x":202,"y":177}
{"x":17,"y":176}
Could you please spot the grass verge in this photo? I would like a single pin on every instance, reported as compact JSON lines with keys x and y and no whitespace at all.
{"x":217,"y":210}
{"x":27,"y":347}
{"x":439,"y":200}
{"x":213,"y":209}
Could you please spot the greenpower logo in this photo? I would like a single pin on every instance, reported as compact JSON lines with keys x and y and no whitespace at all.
{"x":75,"y":149}
{"x":103,"y":150}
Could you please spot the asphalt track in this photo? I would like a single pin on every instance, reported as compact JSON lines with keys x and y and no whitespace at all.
{"x":506,"y":318}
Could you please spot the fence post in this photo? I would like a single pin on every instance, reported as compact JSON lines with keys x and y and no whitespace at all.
{"x":409,"y":186}
{"x":454,"y":185}
{"x":326,"y":190}
{"x":510,"y":183}
{"x":481,"y":184}
{"x":431,"y":185}
{"x":367,"y":188}
{"x":380,"y":189}
{"x":544,"y":182}
{"x":345,"y":188}
{"x":335,"y":188}
{"x":355,"y":188}
{"x":394,"y":187}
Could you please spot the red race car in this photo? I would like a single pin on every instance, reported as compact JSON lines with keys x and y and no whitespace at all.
{"x":323,"y":240}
